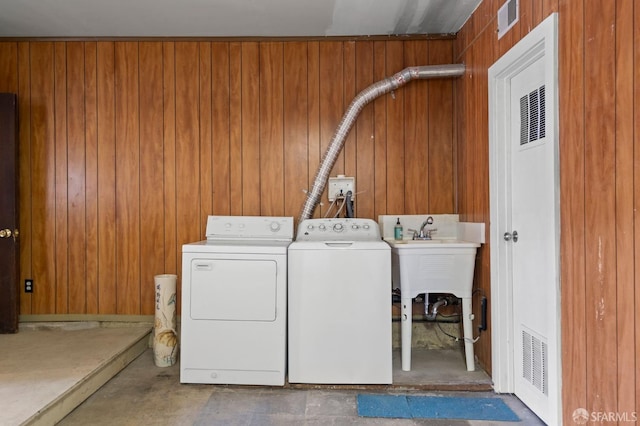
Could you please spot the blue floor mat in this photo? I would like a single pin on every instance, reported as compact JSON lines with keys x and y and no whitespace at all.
{"x":434,"y":407}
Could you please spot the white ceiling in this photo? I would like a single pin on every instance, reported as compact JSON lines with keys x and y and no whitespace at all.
{"x":231,"y":18}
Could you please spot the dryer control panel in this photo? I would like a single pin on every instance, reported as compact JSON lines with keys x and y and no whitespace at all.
{"x":250,"y":228}
{"x":338,"y":229}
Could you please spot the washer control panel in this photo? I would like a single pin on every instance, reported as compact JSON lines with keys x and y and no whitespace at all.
{"x":249,"y":228}
{"x":338,"y":229}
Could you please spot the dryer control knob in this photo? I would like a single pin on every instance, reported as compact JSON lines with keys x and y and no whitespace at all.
{"x":355,"y":227}
{"x":275,"y":226}
{"x":310,"y":227}
{"x":322,"y":227}
{"x":338,"y":227}
{"x":365,"y":226}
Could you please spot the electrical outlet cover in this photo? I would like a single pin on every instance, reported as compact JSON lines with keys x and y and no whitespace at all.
{"x":341,"y":184}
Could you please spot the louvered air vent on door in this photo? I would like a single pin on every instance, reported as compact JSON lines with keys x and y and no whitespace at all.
{"x":532,"y":116}
{"x":534,"y":361}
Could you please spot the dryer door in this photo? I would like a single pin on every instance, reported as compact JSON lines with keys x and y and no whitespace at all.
{"x":233,"y":289}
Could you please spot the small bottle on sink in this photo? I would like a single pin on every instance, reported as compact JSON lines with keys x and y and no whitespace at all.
{"x":397,"y":231}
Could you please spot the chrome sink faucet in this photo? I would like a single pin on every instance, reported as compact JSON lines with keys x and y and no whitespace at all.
{"x":425,"y":233}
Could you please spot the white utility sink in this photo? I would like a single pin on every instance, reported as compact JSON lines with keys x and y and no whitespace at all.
{"x":433,"y":266}
{"x":440,"y":242}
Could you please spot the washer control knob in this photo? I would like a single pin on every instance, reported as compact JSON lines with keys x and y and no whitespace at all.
{"x":322,"y":227}
{"x":354,"y":227}
{"x":338,"y":227}
{"x":365,"y":226}
{"x":310,"y":227}
{"x":275,"y":226}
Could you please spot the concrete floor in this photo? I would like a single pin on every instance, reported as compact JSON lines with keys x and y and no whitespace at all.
{"x":47,"y":370}
{"x":145,"y":394}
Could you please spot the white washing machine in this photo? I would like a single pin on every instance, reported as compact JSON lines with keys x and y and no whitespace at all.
{"x":339,"y":303}
{"x":234,"y":302}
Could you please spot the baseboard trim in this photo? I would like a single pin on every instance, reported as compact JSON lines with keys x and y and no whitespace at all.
{"x":85,"y":317}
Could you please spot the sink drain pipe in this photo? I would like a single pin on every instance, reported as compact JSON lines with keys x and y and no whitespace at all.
{"x":349,"y":118}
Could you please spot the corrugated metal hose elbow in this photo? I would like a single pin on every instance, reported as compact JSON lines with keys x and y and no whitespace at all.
{"x":350,"y":116}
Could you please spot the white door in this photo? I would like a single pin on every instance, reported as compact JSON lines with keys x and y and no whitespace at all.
{"x":532,"y":237}
{"x":525,"y":223}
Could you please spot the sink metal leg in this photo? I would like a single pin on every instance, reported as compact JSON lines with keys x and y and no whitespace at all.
{"x":406,"y":309}
{"x":467,"y":324}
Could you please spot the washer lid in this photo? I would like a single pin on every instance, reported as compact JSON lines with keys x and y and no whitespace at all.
{"x":337,"y":245}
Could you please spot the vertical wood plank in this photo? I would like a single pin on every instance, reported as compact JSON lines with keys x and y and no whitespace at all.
{"x":600,"y":203}
{"x":462,"y":102}
{"x":480,"y":185}
{"x":314,"y":135}
{"x":220,"y":121}
{"x":25,"y":178}
{"x":188,"y":197}
{"x":127,"y":178}
{"x":487,"y":60}
{"x":365,"y":134}
{"x":624,"y":223}
{"x":440,"y":131}
{"x":549,"y":6}
{"x":75,"y":180}
{"x":395,"y":132}
{"x":464,"y":129}
{"x":476,"y":168}
{"x":107,"y":267}
{"x":9,"y":67}
{"x":572,"y":215}
{"x":206,"y":165}
{"x":457,"y":130}
{"x":538,"y":12}
{"x":525,"y":22}
{"x":508,"y":40}
{"x":416,"y":125}
{"x":380,"y":134}
{"x":635,"y":86}
{"x":271,"y":129}
{"x":91,"y":175}
{"x":235,"y":128}
{"x":331,"y":101}
{"x":61,"y":184}
{"x":151,"y":175}
{"x":172,"y":250}
{"x":250,"y":125}
{"x":43,"y":175}
{"x":295,"y":119}
{"x":350,"y":89}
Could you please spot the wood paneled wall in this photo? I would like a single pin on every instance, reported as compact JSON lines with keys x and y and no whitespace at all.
{"x":127,"y":146}
{"x":599,"y":93}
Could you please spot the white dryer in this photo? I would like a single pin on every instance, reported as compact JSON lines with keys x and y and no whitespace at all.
{"x":234,"y":293}
{"x":339,"y":303}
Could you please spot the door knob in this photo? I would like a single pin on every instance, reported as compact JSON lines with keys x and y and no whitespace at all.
{"x":508,"y":236}
{"x":5,"y":233}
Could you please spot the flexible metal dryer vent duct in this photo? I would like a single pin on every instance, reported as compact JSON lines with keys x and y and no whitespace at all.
{"x":360,"y":101}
